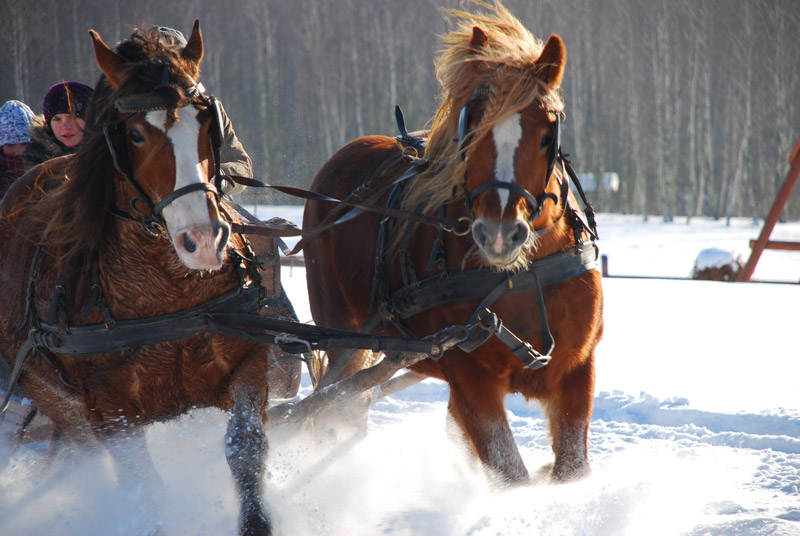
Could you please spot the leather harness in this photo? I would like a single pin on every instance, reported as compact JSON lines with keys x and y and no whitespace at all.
{"x":232,"y":313}
{"x":483,"y":285}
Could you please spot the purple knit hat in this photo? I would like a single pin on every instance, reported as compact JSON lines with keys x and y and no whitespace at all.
{"x":15,"y":120}
{"x":66,"y":98}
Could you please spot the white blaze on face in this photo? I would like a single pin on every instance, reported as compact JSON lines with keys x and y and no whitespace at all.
{"x":506,"y":140}
{"x":189,"y":209}
{"x":198,"y":241}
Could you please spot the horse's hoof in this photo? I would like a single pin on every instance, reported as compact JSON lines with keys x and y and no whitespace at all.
{"x":550,"y":474}
{"x":543,"y":475}
{"x":570,"y":473}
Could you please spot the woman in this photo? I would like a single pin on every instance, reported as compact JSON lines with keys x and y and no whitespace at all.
{"x":60,"y":129}
{"x":15,"y":120}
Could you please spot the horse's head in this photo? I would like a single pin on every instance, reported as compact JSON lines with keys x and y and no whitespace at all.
{"x":508,"y":135}
{"x":162,"y":135}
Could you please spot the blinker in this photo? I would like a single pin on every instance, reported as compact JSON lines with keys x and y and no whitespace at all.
{"x":478,"y":94}
{"x":114,"y":132}
{"x":535,"y":203}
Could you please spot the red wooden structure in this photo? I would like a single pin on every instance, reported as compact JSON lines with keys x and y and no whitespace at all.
{"x":763,"y":242}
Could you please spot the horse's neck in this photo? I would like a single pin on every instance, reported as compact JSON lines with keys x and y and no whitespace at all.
{"x":554,"y":238}
{"x":142,"y":275}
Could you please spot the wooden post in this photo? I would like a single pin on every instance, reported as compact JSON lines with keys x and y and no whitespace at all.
{"x":763,"y":241}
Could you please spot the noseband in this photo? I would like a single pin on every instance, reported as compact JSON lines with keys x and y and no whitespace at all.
{"x":152,"y":221}
{"x":480,"y":94}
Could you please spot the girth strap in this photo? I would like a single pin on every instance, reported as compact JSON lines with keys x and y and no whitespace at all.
{"x":230,"y":314}
{"x":487,"y":286}
{"x":476,"y":283}
{"x":129,"y":334}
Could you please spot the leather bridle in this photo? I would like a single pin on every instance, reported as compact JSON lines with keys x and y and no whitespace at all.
{"x":480,"y":94}
{"x":151,"y":219}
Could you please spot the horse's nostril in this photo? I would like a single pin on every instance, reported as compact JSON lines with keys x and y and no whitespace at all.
{"x":478,"y":233}
{"x":222,"y":235}
{"x":520,"y":234}
{"x":189,"y":244}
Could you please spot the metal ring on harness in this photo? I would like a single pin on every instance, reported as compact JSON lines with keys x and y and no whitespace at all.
{"x":463,"y":221}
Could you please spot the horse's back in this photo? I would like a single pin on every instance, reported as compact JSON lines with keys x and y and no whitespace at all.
{"x":354,"y":164}
{"x":339,"y":261}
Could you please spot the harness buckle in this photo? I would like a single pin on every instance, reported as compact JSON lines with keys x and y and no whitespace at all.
{"x":447,"y":338}
{"x":285,"y":338}
{"x":485,"y":324}
{"x":153,"y":227}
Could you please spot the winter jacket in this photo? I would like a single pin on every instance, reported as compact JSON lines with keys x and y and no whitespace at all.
{"x":44,"y":145}
{"x":11,"y":169}
{"x":234,"y":159}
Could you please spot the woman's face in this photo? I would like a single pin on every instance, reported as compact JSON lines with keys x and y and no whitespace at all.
{"x":68,"y":129}
{"x":14,"y":149}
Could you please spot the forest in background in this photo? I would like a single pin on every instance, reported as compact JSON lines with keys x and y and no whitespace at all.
{"x":694,"y":103}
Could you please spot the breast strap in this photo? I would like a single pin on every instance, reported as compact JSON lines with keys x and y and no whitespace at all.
{"x":474,"y":284}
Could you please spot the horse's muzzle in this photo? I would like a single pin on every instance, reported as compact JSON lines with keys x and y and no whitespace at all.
{"x":501,"y":243}
{"x":203,"y":247}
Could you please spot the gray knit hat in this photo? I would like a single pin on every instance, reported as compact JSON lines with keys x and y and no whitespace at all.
{"x":15,"y":119}
{"x":173,"y":36}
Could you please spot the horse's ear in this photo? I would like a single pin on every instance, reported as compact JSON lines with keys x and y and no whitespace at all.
{"x":479,"y":38}
{"x":107,"y":59}
{"x":551,"y":62}
{"x":194,"y":47}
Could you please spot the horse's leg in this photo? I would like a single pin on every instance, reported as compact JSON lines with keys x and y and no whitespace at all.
{"x":476,"y":405}
{"x":284,"y":376}
{"x":26,"y":421}
{"x":246,"y":444}
{"x":285,"y":371}
{"x":569,"y":414}
{"x":136,"y":474}
{"x":135,"y":467}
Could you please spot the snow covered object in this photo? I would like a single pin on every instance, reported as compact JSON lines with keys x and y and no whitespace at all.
{"x":715,"y":264}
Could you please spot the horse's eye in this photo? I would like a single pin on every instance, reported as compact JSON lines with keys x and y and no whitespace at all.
{"x":546,"y":141}
{"x":135,"y":136}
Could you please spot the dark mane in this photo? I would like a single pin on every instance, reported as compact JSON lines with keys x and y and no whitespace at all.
{"x":75,"y":212}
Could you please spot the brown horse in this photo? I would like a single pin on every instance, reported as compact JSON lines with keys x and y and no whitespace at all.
{"x":492,"y":160}
{"x":114,"y":260}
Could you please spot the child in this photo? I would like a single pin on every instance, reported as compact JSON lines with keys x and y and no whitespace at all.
{"x":15,"y":120}
{"x":60,"y":129}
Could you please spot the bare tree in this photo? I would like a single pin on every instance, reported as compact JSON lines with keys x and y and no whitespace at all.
{"x":691,"y":101}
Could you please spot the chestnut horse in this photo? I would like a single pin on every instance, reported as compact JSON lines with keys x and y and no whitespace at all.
{"x":492,"y":160}
{"x":114,"y":260}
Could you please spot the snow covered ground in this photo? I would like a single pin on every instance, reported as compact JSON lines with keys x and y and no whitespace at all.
{"x":696,"y":428}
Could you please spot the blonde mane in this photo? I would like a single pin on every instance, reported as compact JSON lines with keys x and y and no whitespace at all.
{"x":506,"y":65}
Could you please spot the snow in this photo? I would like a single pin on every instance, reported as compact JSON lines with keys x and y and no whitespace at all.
{"x":696,"y":427}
